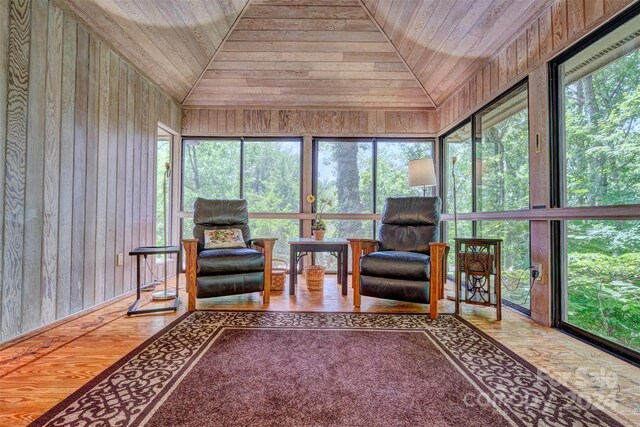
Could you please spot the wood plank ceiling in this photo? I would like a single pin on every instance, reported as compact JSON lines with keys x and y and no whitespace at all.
{"x":365,"y":54}
{"x":308,"y":53}
{"x":170,"y":41}
{"x":445,"y":41}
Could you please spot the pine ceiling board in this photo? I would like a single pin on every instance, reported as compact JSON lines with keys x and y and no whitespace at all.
{"x":307,"y":53}
{"x":489,"y":38}
{"x":444,"y":41}
{"x":170,"y":41}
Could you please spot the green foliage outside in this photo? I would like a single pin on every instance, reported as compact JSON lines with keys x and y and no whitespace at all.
{"x":602,"y":139}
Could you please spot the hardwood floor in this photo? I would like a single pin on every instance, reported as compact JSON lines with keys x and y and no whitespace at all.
{"x":39,"y":370}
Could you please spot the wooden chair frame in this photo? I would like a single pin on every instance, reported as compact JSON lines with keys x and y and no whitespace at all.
{"x":191,"y":251}
{"x":438,"y":256}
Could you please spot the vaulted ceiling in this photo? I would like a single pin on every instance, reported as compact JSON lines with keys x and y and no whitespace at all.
{"x":390,"y":54}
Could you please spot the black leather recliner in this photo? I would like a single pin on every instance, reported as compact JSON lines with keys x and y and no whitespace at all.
{"x":406,"y":263}
{"x":219,"y":272}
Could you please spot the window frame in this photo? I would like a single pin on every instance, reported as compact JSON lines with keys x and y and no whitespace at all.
{"x":373,"y":216}
{"x":474,"y":216}
{"x":558,"y":227}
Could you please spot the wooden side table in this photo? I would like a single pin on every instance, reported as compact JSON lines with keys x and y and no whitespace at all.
{"x":478,"y":273}
{"x":336,"y":247}
{"x":145,"y":251}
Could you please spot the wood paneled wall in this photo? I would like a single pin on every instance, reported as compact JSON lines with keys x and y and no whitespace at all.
{"x":211,"y":122}
{"x":558,"y":27}
{"x":78,"y":126}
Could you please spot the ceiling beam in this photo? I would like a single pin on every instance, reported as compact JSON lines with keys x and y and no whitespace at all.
{"x":220,"y":46}
{"x":397,"y":52}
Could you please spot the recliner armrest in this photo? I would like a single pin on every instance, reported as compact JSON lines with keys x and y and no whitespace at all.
{"x":359,"y":247}
{"x":437,"y":252}
{"x":266,"y":247}
{"x":191,"y":252}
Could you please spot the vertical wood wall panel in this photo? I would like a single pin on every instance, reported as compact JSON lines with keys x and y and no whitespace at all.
{"x":14,"y":181}
{"x":4,"y":68}
{"x":79,"y":169}
{"x":53,"y":83}
{"x":32,"y":255}
{"x":70,"y":125}
{"x":67,"y":136}
{"x":196,"y":122}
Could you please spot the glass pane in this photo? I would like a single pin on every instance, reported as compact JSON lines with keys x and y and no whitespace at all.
{"x":211,"y":169}
{"x":343,"y":228}
{"x":458,"y":145}
{"x":272,"y":175}
{"x":345,"y":176}
{"x":603,"y":279}
{"x":601,"y":115}
{"x":516,"y":276}
{"x":283,"y":229}
{"x":392,"y":168}
{"x":163,"y":188}
{"x":464,"y":230}
{"x":502,"y":149}
{"x":186,"y":231}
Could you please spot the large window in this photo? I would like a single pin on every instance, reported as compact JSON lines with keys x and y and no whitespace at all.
{"x":264,"y":171}
{"x":357,"y":175}
{"x":597,"y":162}
{"x":491,"y":173}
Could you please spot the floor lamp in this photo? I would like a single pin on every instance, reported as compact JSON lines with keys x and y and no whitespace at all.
{"x":165,"y":294}
{"x":422,"y":174}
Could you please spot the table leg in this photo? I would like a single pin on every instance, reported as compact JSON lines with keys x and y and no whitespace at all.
{"x":339,"y":272}
{"x":345,"y":269}
{"x":292,"y":270}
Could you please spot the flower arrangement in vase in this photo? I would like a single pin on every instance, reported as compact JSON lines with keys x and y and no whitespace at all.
{"x":319,"y":227}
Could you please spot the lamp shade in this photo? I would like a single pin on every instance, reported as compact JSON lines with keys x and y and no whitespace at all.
{"x":422,"y":173}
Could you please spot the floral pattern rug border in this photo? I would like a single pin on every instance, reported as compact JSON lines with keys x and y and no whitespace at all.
{"x":127,"y":389}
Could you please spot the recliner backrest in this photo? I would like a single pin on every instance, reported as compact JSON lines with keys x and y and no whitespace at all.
{"x":210,"y":214}
{"x":409,"y":224}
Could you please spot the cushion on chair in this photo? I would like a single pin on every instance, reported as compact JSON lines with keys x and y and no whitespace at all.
{"x":396,"y":265}
{"x":410,"y":224}
{"x":224,"y":238}
{"x":229,"y":284}
{"x":229,"y":261}
{"x":217,"y":214}
{"x":395,"y":289}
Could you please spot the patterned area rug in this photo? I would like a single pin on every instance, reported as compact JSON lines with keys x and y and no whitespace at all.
{"x":322,"y":369}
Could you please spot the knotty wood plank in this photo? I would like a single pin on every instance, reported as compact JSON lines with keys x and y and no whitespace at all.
{"x":502,"y":67}
{"x":121,"y":176}
{"x":52,"y":166}
{"x":14,"y":181}
{"x":67,"y":136}
{"x":511,"y":61}
{"x":593,"y":10}
{"x":4,"y":68}
{"x":521,"y":53}
{"x":129,"y":180}
{"x":111,"y":178}
{"x":144,"y":171}
{"x":575,"y":17}
{"x":545,"y":33}
{"x":152,"y":136}
{"x":533,"y":44}
{"x":137,"y":154}
{"x":34,"y":210}
{"x":91,"y":187}
{"x":102,"y":176}
{"x":559,"y":23}
{"x":79,"y":169}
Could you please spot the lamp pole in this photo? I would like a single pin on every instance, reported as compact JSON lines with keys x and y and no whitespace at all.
{"x":454,"y":159}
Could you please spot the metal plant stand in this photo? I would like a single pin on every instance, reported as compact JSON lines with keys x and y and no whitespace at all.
{"x":478,"y":273}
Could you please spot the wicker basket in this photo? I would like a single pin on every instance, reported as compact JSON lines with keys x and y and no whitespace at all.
{"x":278,"y":273}
{"x":314,"y":275}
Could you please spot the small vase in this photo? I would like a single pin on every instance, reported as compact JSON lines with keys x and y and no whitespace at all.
{"x":318,"y":234}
